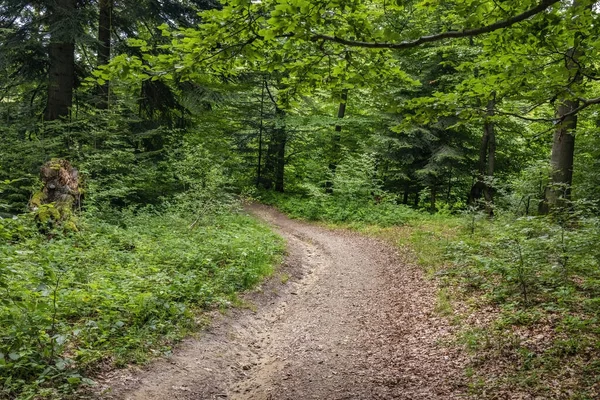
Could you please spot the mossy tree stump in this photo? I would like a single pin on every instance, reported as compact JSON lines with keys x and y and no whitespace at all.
{"x":59,"y":197}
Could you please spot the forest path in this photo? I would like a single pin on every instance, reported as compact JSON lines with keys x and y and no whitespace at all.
{"x":355,"y":320}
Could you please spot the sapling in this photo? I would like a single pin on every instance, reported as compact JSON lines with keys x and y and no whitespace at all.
{"x":521,"y":272}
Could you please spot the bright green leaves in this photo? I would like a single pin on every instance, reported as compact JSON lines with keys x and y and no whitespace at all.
{"x":127,"y":69}
{"x":141,"y":44}
{"x":278,"y":37}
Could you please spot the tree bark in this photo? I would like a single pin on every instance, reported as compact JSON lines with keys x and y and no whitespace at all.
{"x":59,"y":197}
{"x":260,"y":136}
{"x":104,"y":47}
{"x":276,"y":151}
{"x":491,"y":162}
{"x":61,"y":69}
{"x":337,"y":137}
{"x":487,"y":160}
{"x":558,"y":193}
{"x":449,"y":191}
{"x":280,"y":143}
{"x":406,"y":193}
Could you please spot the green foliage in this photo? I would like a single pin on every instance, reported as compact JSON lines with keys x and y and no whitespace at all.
{"x":529,"y":260}
{"x":205,"y":106}
{"x":354,"y":197}
{"x":329,"y":209}
{"x":542,"y":273}
{"x":107,"y":294}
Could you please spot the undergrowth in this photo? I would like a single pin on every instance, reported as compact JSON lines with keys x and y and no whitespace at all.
{"x":115,"y":293}
{"x":542,"y":277}
{"x":340,"y":209}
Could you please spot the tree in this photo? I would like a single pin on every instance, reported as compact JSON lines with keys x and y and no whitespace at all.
{"x":104,"y":46}
{"x":487,"y":161}
{"x":61,"y":68}
{"x":277,"y":144}
{"x":558,"y":193}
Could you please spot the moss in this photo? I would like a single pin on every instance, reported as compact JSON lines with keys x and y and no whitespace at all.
{"x":70,"y":225}
{"x":37,"y":199}
{"x":57,"y":215}
{"x":47,"y":213}
{"x":56,"y":163}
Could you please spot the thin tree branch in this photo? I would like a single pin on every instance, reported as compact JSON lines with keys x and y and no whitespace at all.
{"x":269,"y":93}
{"x":531,"y":119}
{"x":585,"y":103}
{"x":441,"y":36}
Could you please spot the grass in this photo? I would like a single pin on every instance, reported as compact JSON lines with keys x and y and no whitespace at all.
{"x":444,"y":303}
{"x":114,"y":294}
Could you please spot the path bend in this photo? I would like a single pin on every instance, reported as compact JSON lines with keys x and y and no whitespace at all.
{"x":346,"y":317}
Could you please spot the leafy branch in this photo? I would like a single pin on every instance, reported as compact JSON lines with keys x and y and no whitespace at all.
{"x":441,"y":36}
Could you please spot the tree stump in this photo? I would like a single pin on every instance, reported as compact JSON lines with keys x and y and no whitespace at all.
{"x":59,"y":197}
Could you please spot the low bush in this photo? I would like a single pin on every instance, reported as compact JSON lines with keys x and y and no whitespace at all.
{"x":335,"y":209}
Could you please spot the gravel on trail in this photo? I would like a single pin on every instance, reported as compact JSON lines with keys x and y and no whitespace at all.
{"x":345,"y":317}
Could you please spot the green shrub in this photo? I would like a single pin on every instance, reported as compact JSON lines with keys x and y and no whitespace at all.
{"x":336,"y":209}
{"x":118,"y":293}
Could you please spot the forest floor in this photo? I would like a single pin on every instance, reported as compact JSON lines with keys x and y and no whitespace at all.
{"x":345,"y":317}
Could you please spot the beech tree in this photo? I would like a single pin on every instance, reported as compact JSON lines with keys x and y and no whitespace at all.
{"x":563,"y":147}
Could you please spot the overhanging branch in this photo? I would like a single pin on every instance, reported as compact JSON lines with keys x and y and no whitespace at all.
{"x":441,"y":36}
{"x":584,"y":103}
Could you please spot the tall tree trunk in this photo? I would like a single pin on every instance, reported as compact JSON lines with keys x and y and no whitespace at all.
{"x":558,"y":193}
{"x":61,"y":69}
{"x":449,"y":191}
{"x":491,"y":162}
{"x":280,"y":143}
{"x":337,"y":137}
{"x":276,"y":151}
{"x":260,"y":136}
{"x":104,"y":47}
{"x":563,"y":148}
{"x":487,"y":160}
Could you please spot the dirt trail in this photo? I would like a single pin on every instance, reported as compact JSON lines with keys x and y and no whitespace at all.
{"x":354,"y":320}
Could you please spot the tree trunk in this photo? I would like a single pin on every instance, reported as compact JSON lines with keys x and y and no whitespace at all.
{"x":260,"y":136}
{"x":276,"y":150}
{"x":449,"y":191}
{"x":61,"y":69}
{"x":280,"y":142}
{"x":104,"y":47}
{"x":491,"y":162}
{"x":563,"y":148}
{"x":558,"y":192}
{"x":337,"y":137}
{"x":487,"y":161}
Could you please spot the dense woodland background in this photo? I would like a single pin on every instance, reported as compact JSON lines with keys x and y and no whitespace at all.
{"x":473,"y":122}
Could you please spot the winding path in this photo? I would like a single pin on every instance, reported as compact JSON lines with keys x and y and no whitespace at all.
{"x":346,"y":317}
